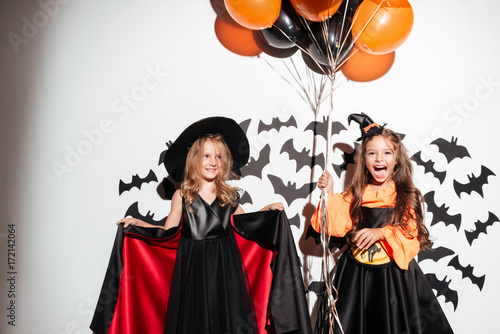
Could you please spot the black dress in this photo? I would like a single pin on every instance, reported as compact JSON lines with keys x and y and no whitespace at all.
{"x":210,"y":291}
{"x":382,"y":298}
{"x":194,"y":278}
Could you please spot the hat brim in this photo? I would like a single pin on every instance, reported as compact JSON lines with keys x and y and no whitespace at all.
{"x":235,"y":138}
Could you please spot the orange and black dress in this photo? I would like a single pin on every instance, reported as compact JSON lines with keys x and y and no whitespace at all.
{"x":382,"y":289}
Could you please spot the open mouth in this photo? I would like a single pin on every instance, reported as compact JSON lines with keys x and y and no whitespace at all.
{"x":379,"y":171}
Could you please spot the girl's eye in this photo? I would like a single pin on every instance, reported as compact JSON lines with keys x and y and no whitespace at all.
{"x":219,"y":157}
{"x":371,"y":153}
{"x":205,"y":156}
{"x":388,"y":152}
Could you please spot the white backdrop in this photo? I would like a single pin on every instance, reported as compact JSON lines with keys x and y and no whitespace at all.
{"x":92,"y":90}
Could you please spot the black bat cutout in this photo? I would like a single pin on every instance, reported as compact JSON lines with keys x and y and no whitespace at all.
{"x":434,"y":254}
{"x":480,"y":228}
{"x":475,"y":183}
{"x":276,"y":124}
{"x":245,"y":198}
{"x":321,"y":128}
{"x":289,"y":191}
{"x":348,"y":159}
{"x":169,"y":187}
{"x":302,"y":158}
{"x":318,"y":287}
{"x":295,"y":221}
{"x":161,"y":160}
{"x":255,"y":166}
{"x":440,"y":213}
{"x":468,"y":272}
{"x":133,"y":211}
{"x":442,"y":288}
{"x":245,"y":124}
{"x":136,"y":182}
{"x":450,"y":149}
{"x":428,"y":167}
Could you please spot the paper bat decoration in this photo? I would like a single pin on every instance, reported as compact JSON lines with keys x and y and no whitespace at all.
{"x":434,"y":254}
{"x":302,"y":158}
{"x":245,"y":198}
{"x":277,"y":124}
{"x":450,"y":149}
{"x":136,"y":182}
{"x":162,"y":154}
{"x":255,"y":167}
{"x":290,"y":192}
{"x":442,"y":288}
{"x":480,"y":228}
{"x":245,"y":124}
{"x":440,"y":213}
{"x":318,"y":287}
{"x":295,"y":221}
{"x":475,"y":183}
{"x":428,"y":167}
{"x":133,"y":211}
{"x":169,"y":188}
{"x":321,"y":128}
{"x":348,"y":159}
{"x":467,"y":272}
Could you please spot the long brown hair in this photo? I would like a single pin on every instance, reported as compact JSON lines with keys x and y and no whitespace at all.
{"x":193,"y":177}
{"x":409,"y":200}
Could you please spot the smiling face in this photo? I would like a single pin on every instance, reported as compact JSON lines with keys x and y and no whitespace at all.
{"x":380,"y":159}
{"x":210,"y":162}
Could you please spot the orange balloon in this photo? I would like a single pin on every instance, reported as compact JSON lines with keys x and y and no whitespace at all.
{"x":381,"y":26}
{"x":234,"y":37}
{"x":254,"y":14}
{"x":316,"y":10}
{"x":363,"y":66}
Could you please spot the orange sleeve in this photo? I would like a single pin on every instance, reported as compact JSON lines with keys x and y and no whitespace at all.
{"x":337,"y":215}
{"x":401,"y":246}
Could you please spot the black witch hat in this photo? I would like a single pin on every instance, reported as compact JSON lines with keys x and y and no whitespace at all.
{"x":235,"y":138}
{"x":368,"y":127}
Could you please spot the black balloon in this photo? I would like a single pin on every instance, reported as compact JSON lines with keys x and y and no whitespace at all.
{"x":287,"y":31}
{"x":270,"y":50}
{"x":329,"y":42}
{"x":320,"y":69}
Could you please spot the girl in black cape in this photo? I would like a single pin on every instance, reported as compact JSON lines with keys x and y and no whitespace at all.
{"x":215,"y":287}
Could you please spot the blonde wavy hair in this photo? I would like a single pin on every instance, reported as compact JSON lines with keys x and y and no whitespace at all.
{"x":409,"y":200}
{"x":193,"y":177}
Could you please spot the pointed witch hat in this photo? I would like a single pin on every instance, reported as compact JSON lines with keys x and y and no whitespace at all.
{"x":368,"y":127}
{"x":233,"y":134}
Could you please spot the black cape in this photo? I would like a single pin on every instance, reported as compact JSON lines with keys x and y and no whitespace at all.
{"x":287,"y":310}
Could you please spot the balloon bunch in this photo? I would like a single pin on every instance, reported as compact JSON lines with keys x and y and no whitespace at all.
{"x":356,"y":37}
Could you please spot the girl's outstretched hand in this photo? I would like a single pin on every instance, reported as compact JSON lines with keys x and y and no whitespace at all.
{"x":326,"y":182}
{"x":274,"y":206}
{"x":133,"y":221}
{"x":367,"y":237}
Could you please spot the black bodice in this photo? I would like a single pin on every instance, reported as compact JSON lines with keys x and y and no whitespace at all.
{"x":374,"y":217}
{"x":207,"y":221}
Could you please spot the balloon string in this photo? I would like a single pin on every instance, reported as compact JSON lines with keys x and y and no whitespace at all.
{"x":344,"y":40}
{"x":332,"y":314}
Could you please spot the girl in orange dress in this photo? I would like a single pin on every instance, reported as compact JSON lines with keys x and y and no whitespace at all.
{"x":381,"y":288}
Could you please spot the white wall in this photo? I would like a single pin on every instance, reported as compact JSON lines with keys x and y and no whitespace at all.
{"x":71,"y":75}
